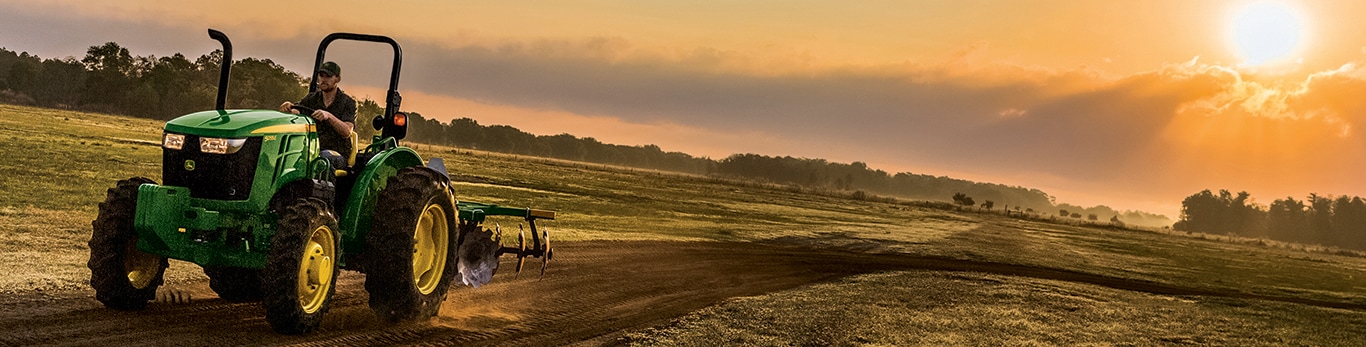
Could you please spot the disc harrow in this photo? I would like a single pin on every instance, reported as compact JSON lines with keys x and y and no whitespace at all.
{"x":540,"y":236}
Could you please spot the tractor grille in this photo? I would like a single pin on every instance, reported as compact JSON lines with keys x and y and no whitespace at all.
{"x":214,"y":176}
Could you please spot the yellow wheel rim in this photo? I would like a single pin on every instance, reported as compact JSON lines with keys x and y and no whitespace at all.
{"x":141,"y":267}
{"x":430,"y":240}
{"x":316,"y":269}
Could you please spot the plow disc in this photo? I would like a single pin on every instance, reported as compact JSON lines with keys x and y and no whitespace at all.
{"x":478,"y":255}
{"x":480,"y":249}
{"x":540,"y":247}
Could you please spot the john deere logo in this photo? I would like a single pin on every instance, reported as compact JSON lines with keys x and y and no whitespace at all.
{"x":189,"y":165}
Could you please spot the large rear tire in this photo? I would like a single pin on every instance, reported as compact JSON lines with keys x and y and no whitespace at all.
{"x":301,"y":268}
{"x":235,"y":284}
{"x":410,"y":249}
{"x":124,"y":278}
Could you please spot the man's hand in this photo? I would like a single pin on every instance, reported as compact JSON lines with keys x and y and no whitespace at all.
{"x":343,"y":127}
{"x":286,"y":108}
{"x":320,"y":115}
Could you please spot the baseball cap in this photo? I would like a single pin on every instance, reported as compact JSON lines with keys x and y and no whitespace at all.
{"x":331,"y":68}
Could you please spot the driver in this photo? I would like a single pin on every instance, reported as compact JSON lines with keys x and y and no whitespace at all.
{"x":335,"y":111}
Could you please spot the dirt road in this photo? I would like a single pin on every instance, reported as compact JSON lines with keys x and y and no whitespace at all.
{"x":593,"y":294}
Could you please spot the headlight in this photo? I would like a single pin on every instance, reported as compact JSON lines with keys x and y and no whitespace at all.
{"x":220,"y":146}
{"x":173,"y":141}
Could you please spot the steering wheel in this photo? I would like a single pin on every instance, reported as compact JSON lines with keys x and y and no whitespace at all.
{"x":303,"y":110}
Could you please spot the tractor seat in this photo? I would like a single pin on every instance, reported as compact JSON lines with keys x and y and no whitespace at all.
{"x":342,"y":162}
{"x":355,"y":144}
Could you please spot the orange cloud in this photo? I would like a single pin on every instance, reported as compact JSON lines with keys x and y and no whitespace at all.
{"x":909,"y":99}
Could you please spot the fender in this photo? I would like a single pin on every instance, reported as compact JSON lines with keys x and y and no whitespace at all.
{"x":355,"y":220}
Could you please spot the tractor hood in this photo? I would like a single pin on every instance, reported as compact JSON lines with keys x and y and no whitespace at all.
{"x":239,"y":123}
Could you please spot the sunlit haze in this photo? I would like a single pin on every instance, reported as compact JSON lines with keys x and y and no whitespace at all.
{"x":1130,"y":104}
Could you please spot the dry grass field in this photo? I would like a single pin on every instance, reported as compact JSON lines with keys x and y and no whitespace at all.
{"x":58,"y":164}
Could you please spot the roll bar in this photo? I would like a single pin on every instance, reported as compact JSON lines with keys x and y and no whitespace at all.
{"x":392,"y":100}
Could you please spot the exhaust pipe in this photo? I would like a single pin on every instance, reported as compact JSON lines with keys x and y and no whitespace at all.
{"x":226,"y":67}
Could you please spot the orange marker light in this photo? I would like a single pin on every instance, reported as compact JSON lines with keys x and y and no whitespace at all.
{"x":400,"y":119}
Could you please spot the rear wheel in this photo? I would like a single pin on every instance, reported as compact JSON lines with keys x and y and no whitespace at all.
{"x":124,"y":278}
{"x":235,"y":284}
{"x":301,"y":268}
{"x":410,"y":248}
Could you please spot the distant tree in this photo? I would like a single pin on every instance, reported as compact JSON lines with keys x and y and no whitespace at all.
{"x":110,"y":67}
{"x":468,"y":133}
{"x":962,"y":199}
{"x":1320,"y":218}
{"x":565,"y":146}
{"x":1075,"y":215}
{"x":512,"y":140}
{"x":988,"y":204}
{"x":1287,"y":218}
{"x":208,"y":68}
{"x":25,"y":73}
{"x":263,"y":84}
{"x":366,"y":111}
{"x":7,"y":59}
{"x":1064,"y":213}
{"x":1092,"y":217}
{"x":1220,"y":214}
{"x":1349,"y":222}
{"x":60,"y":83}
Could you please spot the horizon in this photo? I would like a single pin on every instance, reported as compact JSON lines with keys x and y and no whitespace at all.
{"x":1134,"y":106}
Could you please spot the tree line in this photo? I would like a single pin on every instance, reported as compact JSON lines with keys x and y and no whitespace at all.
{"x":1318,"y":219}
{"x":805,"y":172}
{"x":110,"y":79}
{"x":468,"y":133}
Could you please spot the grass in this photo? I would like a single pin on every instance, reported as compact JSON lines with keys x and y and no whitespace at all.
{"x":61,"y":162}
{"x":56,"y":159}
{"x":939,"y":308}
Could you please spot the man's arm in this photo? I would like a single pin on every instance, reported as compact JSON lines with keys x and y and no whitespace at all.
{"x":285,"y":107}
{"x":343,"y":127}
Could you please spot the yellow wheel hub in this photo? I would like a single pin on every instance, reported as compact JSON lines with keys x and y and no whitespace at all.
{"x":141,"y":267}
{"x":430,"y":242}
{"x":316,"y":269}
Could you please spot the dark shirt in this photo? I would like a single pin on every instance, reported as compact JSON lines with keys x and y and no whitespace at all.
{"x":344,"y":108}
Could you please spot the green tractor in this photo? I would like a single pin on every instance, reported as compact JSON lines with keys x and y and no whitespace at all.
{"x":248,"y":196}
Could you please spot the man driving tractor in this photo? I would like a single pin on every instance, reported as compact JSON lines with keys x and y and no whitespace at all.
{"x":333,"y":109}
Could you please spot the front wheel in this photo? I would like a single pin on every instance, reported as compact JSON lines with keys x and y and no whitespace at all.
{"x":124,"y":277}
{"x":301,"y":268}
{"x":410,"y":247}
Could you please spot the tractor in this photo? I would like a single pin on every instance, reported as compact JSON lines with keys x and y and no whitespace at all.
{"x":248,"y":196}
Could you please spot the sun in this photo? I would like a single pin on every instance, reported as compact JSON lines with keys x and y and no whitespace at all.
{"x":1267,"y":33}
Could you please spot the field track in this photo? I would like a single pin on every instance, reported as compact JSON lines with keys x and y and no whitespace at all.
{"x":593,"y":293}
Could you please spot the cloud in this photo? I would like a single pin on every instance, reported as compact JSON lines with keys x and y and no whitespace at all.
{"x":1173,"y":130}
{"x":945,"y":112}
{"x":1158,"y":134}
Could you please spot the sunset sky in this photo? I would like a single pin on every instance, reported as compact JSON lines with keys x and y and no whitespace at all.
{"x":1130,"y":104}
